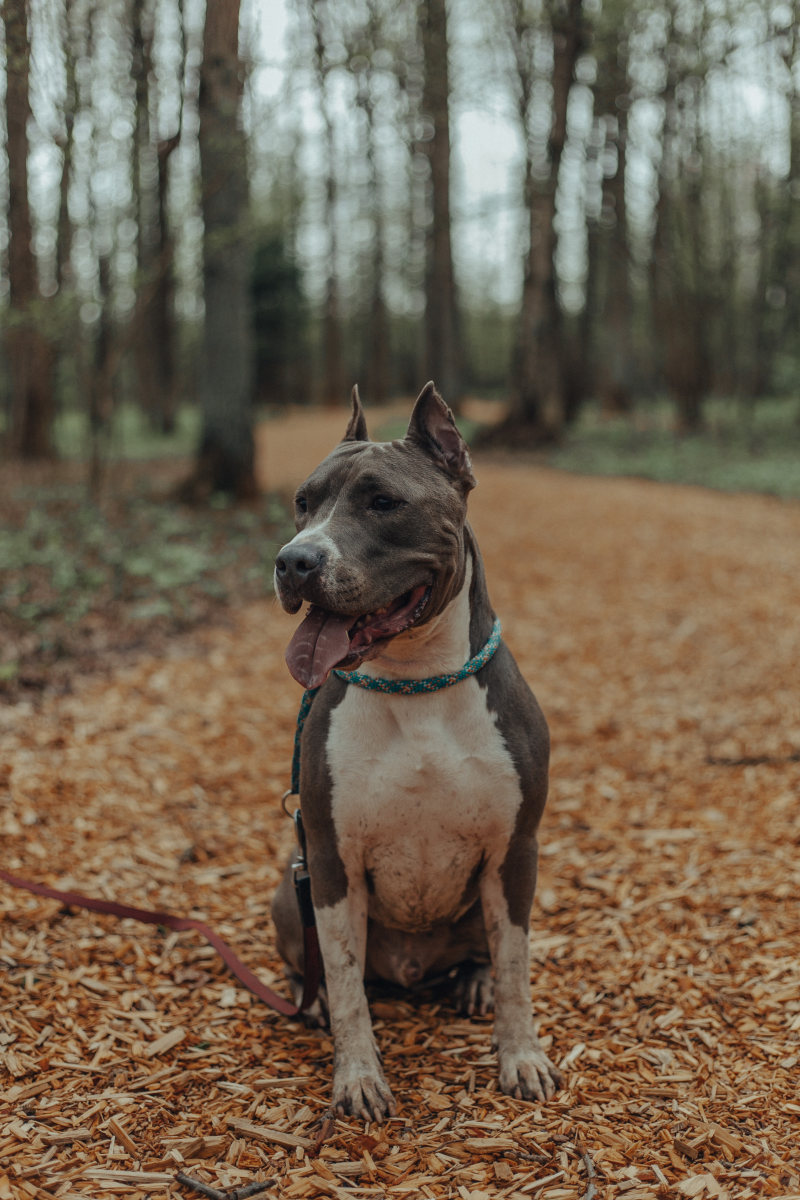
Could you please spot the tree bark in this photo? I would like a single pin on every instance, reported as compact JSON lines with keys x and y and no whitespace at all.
{"x":612,"y":335}
{"x":678,"y":271}
{"x":333,"y":386}
{"x":63,"y":223}
{"x":226,"y":455}
{"x":30,"y":356}
{"x":540,"y":389}
{"x":378,"y":323}
{"x":442,"y":348}
{"x":144,"y":177}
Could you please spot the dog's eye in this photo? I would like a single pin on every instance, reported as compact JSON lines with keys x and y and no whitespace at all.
{"x":384,"y":504}
{"x":301,"y":504}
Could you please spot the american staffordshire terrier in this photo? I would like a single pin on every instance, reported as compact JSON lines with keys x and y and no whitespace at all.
{"x":420,"y":810}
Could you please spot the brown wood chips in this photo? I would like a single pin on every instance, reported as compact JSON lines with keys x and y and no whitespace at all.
{"x":660,"y":629}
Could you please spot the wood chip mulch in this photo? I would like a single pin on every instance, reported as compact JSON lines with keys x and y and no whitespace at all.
{"x":659,"y":627}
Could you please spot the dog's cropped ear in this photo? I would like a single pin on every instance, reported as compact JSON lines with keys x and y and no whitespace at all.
{"x":434,"y":430}
{"x":357,"y":426}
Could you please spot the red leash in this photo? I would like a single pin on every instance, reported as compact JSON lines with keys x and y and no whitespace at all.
{"x":313,"y":963}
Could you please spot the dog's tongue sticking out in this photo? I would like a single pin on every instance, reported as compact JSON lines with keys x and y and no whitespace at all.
{"x":320,"y":642}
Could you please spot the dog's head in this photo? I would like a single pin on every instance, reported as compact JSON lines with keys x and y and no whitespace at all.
{"x":380,"y":546}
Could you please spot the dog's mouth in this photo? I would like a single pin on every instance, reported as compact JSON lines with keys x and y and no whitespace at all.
{"x":325,"y":639}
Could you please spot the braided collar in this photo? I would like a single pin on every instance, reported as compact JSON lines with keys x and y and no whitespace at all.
{"x":434,"y":683}
{"x":394,"y":687}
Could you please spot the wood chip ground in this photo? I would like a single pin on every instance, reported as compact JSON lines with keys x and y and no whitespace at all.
{"x":660,"y":629}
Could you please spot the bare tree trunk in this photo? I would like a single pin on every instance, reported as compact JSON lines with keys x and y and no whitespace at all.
{"x":101,"y":382}
{"x":540,"y":388}
{"x":163,"y":303}
{"x":612,"y":339}
{"x":225,"y":459}
{"x":442,"y":345}
{"x":64,"y":225}
{"x":143,"y":169}
{"x":333,"y":386}
{"x":165,"y":364}
{"x":377,"y":355}
{"x":790,"y":216}
{"x":29,"y":353}
{"x":678,"y":271}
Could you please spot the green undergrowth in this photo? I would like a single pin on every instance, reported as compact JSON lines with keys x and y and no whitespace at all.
{"x":754,"y":448}
{"x":130,"y":436}
{"x":81,"y":580}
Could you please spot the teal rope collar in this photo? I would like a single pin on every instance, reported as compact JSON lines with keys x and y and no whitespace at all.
{"x":393,"y":687}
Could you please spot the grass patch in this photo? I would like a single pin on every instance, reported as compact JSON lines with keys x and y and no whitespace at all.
{"x":81,"y":580}
{"x":131,"y":435}
{"x":754,"y":448}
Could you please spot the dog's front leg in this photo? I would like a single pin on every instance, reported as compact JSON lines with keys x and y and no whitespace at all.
{"x":525,"y":1070}
{"x":359,"y":1087}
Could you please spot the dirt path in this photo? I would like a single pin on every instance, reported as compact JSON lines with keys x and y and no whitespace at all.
{"x":659,"y":628}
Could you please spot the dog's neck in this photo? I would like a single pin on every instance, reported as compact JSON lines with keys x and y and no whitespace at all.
{"x":438,"y":647}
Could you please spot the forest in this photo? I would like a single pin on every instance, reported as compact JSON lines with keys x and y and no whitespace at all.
{"x":558,"y":204}
{"x":581,"y":218}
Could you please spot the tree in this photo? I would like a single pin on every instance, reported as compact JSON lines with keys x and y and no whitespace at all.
{"x":29,"y":354}
{"x":441,"y":333}
{"x":679,"y":269}
{"x":609,"y":299}
{"x":226,"y":454}
{"x":539,"y":385}
{"x":376,"y":366}
{"x":332,"y":365}
{"x":280,"y":321}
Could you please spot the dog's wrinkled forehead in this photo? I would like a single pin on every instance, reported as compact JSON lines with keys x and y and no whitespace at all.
{"x":359,"y":470}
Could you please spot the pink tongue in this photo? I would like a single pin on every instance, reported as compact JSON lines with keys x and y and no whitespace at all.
{"x":319,"y":643}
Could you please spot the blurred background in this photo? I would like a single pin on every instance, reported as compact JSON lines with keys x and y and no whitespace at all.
{"x":585,"y":211}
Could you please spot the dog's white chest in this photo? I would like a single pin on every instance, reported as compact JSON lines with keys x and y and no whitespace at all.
{"x":424,"y":790}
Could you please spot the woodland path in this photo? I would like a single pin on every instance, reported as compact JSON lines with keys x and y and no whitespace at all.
{"x":660,"y":629}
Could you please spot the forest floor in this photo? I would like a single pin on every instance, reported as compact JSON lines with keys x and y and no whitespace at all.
{"x":658,"y":626}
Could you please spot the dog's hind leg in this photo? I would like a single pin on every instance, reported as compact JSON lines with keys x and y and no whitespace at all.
{"x":473,"y":989}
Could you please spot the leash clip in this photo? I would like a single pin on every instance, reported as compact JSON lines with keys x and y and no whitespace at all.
{"x":300,"y":875}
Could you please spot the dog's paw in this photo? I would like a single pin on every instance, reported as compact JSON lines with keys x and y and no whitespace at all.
{"x":528,"y":1075}
{"x":360,"y":1090}
{"x":473,"y":991}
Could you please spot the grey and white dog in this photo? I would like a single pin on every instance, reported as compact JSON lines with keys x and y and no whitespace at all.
{"x":420,"y":811}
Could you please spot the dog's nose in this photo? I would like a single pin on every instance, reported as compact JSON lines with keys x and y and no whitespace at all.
{"x":296,"y":564}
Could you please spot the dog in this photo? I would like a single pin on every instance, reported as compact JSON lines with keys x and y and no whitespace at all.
{"x":421,"y":811}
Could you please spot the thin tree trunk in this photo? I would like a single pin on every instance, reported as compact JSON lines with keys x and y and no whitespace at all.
{"x":163,"y":303}
{"x":29,"y":353}
{"x":540,"y":390}
{"x":377,"y":355}
{"x":333,"y":386}
{"x":613,"y":335}
{"x":143,"y":169}
{"x":442,"y":348}
{"x":226,"y":455}
{"x":101,"y":382}
{"x":678,"y":274}
{"x":64,"y":224}
{"x":790,"y":216}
